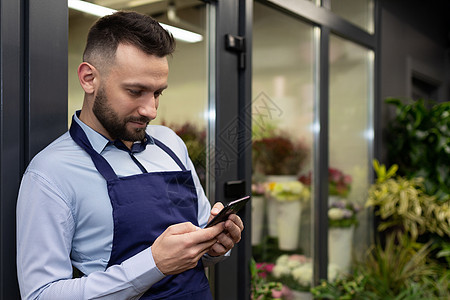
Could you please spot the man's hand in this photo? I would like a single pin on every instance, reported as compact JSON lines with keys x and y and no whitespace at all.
{"x":231,"y":234}
{"x":180,"y":246}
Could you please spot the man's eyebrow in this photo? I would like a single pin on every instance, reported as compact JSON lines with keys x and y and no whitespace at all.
{"x":143,"y":86}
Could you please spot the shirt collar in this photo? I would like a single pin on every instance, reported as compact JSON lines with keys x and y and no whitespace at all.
{"x":99,"y":141}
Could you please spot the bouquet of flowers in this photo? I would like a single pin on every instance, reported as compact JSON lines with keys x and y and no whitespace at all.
{"x":278,"y":155}
{"x":296,"y":271}
{"x":288,"y":191}
{"x":343,"y":214}
{"x":339,"y":184}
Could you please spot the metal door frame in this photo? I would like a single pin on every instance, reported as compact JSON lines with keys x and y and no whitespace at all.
{"x":33,"y":110}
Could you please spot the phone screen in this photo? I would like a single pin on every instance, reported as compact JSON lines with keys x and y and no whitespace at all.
{"x":231,"y":208}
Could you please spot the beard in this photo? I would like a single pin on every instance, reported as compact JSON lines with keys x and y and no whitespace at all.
{"x":114,"y":125}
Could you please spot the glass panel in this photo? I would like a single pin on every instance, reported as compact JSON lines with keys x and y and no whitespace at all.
{"x":183,"y":105}
{"x":350,"y":138}
{"x":282,"y":109}
{"x":359,"y":12}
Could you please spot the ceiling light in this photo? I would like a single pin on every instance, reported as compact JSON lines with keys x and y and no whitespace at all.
{"x":100,"y":11}
{"x":90,"y":8}
{"x":183,"y":35}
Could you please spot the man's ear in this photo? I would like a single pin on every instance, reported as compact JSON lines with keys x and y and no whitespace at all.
{"x":87,"y":75}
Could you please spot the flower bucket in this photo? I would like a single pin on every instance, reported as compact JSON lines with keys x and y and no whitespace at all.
{"x":272,"y":216}
{"x":272,"y":204}
{"x":340,"y":245}
{"x":288,"y":224}
{"x":258,"y":203}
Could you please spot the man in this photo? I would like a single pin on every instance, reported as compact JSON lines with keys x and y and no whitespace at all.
{"x":115,"y":198}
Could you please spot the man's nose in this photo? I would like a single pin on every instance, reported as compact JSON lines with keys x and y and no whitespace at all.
{"x":149,"y":107}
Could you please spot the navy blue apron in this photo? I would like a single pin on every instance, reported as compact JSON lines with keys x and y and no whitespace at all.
{"x":144,"y":205}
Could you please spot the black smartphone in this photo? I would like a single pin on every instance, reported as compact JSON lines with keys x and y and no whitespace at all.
{"x":231,"y":208}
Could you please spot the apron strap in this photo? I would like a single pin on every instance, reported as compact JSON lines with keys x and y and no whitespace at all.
{"x":170,"y":153}
{"x":100,"y":162}
{"x":104,"y":168}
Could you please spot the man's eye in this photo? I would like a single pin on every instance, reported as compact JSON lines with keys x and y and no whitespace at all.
{"x":135,"y":92}
{"x":157,"y":94}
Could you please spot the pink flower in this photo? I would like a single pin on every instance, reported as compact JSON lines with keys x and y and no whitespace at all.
{"x":347,"y":179}
{"x":297,"y":257}
{"x":277,"y":294}
{"x":334,"y":174}
{"x":264,"y":268}
{"x":269,"y":267}
{"x":260,"y":266}
{"x":305,"y":179}
{"x":287,"y":293}
{"x":258,"y":188}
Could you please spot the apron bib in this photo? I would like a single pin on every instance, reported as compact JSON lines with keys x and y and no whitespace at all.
{"x":144,"y":205}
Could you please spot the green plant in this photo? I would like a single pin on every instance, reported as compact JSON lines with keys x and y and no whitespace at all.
{"x":344,"y":288}
{"x":382,"y":173}
{"x":394,"y":267}
{"x":444,"y":252}
{"x":399,"y":270}
{"x":418,"y":140}
{"x":403,"y":205}
{"x":400,"y":267}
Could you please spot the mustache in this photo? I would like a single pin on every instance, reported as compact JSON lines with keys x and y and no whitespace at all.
{"x":141,"y":119}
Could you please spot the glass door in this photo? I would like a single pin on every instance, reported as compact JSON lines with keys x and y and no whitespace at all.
{"x":283,"y":146}
{"x":312,"y":140}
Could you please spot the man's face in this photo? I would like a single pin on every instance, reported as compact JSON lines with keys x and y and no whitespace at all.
{"x":128,"y":97}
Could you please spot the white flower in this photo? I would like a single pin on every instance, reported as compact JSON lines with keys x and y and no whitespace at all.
{"x":280,"y":270}
{"x":292,"y":264}
{"x":282,"y":260}
{"x":335,"y":213}
{"x":303,"y":274}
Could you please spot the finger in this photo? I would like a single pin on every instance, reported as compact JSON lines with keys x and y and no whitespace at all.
{"x":218,"y":249}
{"x":226,"y":241}
{"x":206,"y":234}
{"x":215,"y":210}
{"x":236,"y":220}
{"x":182,"y":228}
{"x":234,"y":231}
{"x":203,"y":248}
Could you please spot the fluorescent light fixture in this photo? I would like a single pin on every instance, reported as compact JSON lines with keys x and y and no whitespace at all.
{"x":183,"y":35}
{"x":90,"y":8}
{"x":100,"y":11}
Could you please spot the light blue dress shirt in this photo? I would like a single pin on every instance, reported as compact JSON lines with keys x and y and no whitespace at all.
{"x":64,"y":217}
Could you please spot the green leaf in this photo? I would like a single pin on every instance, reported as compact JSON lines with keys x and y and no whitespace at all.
{"x":392,"y":170}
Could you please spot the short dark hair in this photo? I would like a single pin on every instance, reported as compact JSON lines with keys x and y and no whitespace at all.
{"x":127,"y":27}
